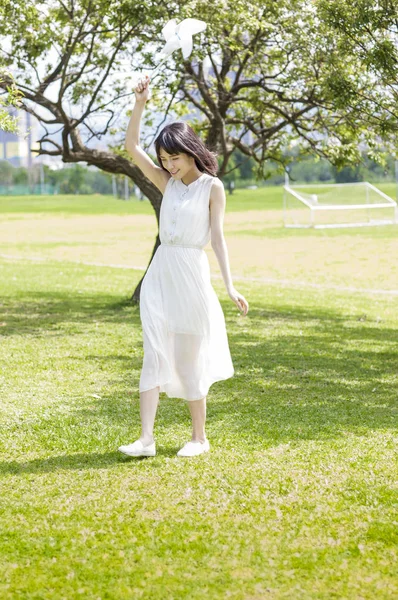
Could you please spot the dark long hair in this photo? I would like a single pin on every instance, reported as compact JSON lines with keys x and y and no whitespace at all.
{"x":179,"y":138}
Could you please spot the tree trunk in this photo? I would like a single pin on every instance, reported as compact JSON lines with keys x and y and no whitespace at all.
{"x":117,"y":164}
{"x":113,"y":163}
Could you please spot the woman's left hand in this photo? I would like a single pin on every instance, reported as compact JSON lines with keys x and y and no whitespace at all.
{"x":239,"y":300}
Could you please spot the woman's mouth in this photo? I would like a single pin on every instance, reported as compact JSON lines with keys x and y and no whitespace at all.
{"x":174,"y":173}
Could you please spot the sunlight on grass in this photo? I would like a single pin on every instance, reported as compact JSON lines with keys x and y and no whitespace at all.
{"x":258,"y":244}
{"x":297,"y":498}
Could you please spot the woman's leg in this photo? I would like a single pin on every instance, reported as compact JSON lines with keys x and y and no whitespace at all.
{"x":198,"y":413}
{"x":189,"y":366}
{"x":149,"y":401}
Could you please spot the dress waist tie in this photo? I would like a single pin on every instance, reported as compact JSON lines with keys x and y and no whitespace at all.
{"x":181,"y":246}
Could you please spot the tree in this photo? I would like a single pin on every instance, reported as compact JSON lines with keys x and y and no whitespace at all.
{"x":71,"y":76}
{"x":277,"y":75}
{"x":277,"y":78}
{"x":366,"y":34}
{"x":12,"y":97}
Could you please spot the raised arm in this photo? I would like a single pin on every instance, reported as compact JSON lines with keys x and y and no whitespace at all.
{"x":158,"y":176}
{"x":217,"y":211}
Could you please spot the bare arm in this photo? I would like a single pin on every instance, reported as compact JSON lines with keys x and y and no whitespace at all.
{"x":217,"y":211}
{"x":158,"y":176}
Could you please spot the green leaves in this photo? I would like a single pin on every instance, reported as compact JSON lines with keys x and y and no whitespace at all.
{"x":366,"y":38}
{"x":319,"y":75}
{"x":12,"y":98}
{"x":280,"y":74}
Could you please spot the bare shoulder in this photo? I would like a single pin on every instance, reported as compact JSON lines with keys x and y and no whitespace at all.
{"x":217,"y":184}
{"x":217,"y":193}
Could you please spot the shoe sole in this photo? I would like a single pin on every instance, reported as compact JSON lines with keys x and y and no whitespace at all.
{"x":143,"y":453}
{"x":193,"y":455}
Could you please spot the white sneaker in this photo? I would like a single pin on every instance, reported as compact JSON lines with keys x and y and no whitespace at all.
{"x":138,"y":449}
{"x":194,"y":448}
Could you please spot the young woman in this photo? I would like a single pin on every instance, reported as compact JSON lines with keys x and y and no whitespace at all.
{"x":185,"y":341}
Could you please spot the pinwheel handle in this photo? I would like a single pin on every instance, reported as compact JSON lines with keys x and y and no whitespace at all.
{"x":156,"y":69}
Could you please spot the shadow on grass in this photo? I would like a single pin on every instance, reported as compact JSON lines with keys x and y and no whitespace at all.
{"x":301,"y":373}
{"x":318,"y":374}
{"x":91,"y":460}
{"x":41,"y":314}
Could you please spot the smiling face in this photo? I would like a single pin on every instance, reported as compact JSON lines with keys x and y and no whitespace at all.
{"x":178,"y":165}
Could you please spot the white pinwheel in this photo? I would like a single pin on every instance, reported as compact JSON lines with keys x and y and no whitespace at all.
{"x":179,"y":35}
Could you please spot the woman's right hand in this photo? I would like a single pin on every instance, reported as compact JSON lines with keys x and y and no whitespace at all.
{"x":142,"y":91}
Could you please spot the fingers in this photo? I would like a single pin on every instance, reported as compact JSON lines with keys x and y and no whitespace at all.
{"x":243,"y":305}
{"x":143,"y":84}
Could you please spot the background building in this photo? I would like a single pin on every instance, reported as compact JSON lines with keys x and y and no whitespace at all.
{"x":18,"y":148}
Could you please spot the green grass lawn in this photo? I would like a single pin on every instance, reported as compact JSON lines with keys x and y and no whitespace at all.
{"x":297,"y":498}
{"x":263,"y":198}
{"x":260,"y":199}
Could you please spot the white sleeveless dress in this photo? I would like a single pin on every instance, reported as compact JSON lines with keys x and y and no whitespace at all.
{"x":185,"y":340}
